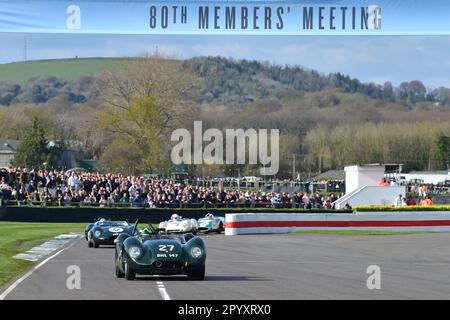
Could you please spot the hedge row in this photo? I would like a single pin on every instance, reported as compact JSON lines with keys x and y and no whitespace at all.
{"x":401,"y":209}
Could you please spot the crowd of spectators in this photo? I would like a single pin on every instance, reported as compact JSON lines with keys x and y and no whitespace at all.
{"x":54,"y":187}
{"x":22,"y":186}
{"x":423,"y":191}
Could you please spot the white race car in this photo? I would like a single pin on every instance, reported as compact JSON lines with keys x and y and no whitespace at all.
{"x":177,"y":224}
{"x":210,"y":223}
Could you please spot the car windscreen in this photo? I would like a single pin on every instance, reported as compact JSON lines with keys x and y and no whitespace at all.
{"x":120,"y":224}
{"x":113,"y":224}
{"x":168,"y":237}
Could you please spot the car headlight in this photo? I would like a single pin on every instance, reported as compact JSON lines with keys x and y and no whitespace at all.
{"x":97,"y":233}
{"x":135,"y":252}
{"x":196,"y":252}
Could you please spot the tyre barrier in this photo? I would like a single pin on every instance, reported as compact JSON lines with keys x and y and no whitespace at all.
{"x":266,"y":223}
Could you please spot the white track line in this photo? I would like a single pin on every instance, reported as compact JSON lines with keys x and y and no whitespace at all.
{"x":162,"y":290}
{"x":29,"y":273}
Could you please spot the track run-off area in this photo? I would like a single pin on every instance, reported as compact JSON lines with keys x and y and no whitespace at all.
{"x":290,"y":266}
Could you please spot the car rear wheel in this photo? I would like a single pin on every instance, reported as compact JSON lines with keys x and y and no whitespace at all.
{"x":197,"y":274}
{"x":130,"y":274}
{"x":219,"y":231}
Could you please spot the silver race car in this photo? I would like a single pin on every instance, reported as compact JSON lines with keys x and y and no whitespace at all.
{"x":177,"y":224}
{"x":210,"y":223}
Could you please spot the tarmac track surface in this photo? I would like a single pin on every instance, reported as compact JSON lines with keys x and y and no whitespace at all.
{"x":263,"y":267}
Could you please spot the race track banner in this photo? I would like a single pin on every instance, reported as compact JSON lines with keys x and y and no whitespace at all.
{"x":283,"y":17}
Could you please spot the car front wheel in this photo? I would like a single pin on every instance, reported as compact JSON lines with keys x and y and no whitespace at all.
{"x":197,"y":274}
{"x":119,"y":273}
{"x":130,"y":274}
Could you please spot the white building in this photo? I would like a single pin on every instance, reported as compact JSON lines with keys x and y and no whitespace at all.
{"x":8,"y":149}
{"x":362,"y":187}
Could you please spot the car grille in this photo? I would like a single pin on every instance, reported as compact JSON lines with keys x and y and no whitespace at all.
{"x":167,"y":264}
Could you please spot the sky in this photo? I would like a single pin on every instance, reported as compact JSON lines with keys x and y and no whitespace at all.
{"x":368,"y":58}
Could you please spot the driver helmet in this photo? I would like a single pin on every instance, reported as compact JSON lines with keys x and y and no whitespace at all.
{"x":102,"y":220}
{"x":175,"y":217}
{"x":146,"y":230}
{"x":209,"y":216}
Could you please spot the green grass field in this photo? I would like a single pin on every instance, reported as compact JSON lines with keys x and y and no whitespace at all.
{"x":67,"y":69}
{"x":19,"y":237}
{"x":361,"y":232}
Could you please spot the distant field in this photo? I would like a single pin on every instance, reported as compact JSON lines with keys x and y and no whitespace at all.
{"x":67,"y":69}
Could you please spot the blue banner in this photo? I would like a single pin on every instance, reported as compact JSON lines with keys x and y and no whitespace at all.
{"x":374,"y":17}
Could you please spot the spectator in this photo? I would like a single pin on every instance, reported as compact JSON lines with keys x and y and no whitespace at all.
{"x":411,"y":202}
{"x":103,"y":202}
{"x":327,"y":205}
{"x":427,"y":201}
{"x":423,"y":190}
{"x":400,"y":201}
{"x":124,"y":199}
{"x":306,"y":201}
{"x":276,"y":201}
{"x":393,"y":183}
{"x":73,"y":182}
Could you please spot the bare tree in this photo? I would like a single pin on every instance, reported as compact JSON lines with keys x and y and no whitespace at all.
{"x":145,"y":99}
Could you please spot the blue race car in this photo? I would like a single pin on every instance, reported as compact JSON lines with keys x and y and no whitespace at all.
{"x":104,"y":232}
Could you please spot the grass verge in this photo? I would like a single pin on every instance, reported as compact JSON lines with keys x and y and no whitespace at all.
{"x":17,"y":237}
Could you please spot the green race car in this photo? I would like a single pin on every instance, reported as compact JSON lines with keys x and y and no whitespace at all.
{"x":149,"y":251}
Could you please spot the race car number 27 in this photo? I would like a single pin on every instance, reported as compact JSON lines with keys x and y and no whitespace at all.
{"x":166,"y":247}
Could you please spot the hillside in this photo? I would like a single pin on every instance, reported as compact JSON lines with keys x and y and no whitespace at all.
{"x":225,"y":82}
{"x":65,"y":69}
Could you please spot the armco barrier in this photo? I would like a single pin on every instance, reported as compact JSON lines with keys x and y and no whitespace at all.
{"x":255,"y":223}
{"x":43,"y":214}
{"x":86,"y":214}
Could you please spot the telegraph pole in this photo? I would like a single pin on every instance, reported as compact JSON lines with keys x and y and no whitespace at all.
{"x":25,"y":58}
{"x":293,"y":167}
